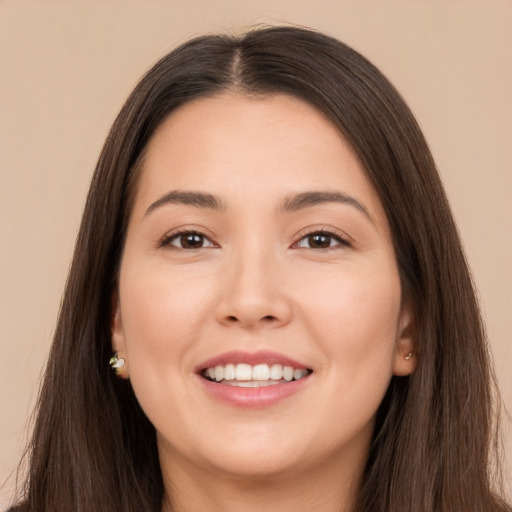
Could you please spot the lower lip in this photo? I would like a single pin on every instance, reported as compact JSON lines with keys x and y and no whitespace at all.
{"x":253,"y":397}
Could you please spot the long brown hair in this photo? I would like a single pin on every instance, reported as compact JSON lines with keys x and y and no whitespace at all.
{"x":93,"y":449}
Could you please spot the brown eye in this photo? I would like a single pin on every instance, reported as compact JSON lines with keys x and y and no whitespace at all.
{"x":191,"y":241}
{"x":188,"y":240}
{"x":321,"y":240}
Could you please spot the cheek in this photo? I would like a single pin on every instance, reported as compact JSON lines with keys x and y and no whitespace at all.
{"x":163,"y":313}
{"x":353,"y":317}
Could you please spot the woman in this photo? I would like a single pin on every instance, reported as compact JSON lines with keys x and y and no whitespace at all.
{"x":268,"y":252}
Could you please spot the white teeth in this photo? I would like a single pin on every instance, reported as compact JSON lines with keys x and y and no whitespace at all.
{"x":251,"y":383}
{"x":245,"y":375}
{"x":299,"y":373}
{"x":243,"y":372}
{"x":261,"y":372}
{"x":229,"y":372}
{"x":276,"y":372}
{"x":288,"y":373}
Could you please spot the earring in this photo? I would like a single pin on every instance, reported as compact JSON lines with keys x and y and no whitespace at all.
{"x":116,"y":363}
{"x":407,"y":357}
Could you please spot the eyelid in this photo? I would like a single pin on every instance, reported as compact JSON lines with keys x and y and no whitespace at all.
{"x":166,"y":240}
{"x":343,"y":238}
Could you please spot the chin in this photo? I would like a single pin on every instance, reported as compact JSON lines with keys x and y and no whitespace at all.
{"x":250,"y":455}
{"x":257,"y":466}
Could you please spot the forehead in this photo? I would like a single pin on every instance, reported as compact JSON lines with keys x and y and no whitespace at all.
{"x":251,"y":147}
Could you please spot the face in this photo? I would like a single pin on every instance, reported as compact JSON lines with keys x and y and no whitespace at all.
{"x":259,"y":306}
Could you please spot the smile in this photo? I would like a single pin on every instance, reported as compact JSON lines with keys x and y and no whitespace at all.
{"x":252,"y":380}
{"x":248,"y":376}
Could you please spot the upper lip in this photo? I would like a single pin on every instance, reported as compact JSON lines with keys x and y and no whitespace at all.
{"x":252,"y":358}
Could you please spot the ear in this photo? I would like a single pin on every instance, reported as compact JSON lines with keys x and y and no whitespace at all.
{"x":405,"y":349}
{"x":117,"y":335}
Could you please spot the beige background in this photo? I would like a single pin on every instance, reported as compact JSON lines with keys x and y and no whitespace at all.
{"x":65,"y":69}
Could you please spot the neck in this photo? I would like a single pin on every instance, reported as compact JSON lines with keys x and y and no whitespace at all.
{"x":330,"y":488}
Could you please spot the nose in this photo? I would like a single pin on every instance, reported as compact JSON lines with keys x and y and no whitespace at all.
{"x":252,"y":293}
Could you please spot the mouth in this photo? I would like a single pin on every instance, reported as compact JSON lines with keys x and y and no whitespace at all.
{"x":252,"y":379}
{"x":244,"y":375}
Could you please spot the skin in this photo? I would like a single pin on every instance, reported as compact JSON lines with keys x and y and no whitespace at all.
{"x":257,"y":283}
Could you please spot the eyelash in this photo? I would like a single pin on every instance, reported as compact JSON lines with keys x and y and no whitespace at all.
{"x":168,"y":239}
{"x":341,"y":240}
{"x":334,"y":236}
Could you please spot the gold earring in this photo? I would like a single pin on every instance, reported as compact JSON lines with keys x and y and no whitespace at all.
{"x":116,"y":363}
{"x":408,"y":356}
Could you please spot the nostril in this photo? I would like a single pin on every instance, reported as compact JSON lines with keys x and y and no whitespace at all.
{"x":267,"y":318}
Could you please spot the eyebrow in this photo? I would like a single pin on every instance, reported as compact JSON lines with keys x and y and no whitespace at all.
{"x":289,"y":204}
{"x":197,"y":199}
{"x":309,"y":199}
